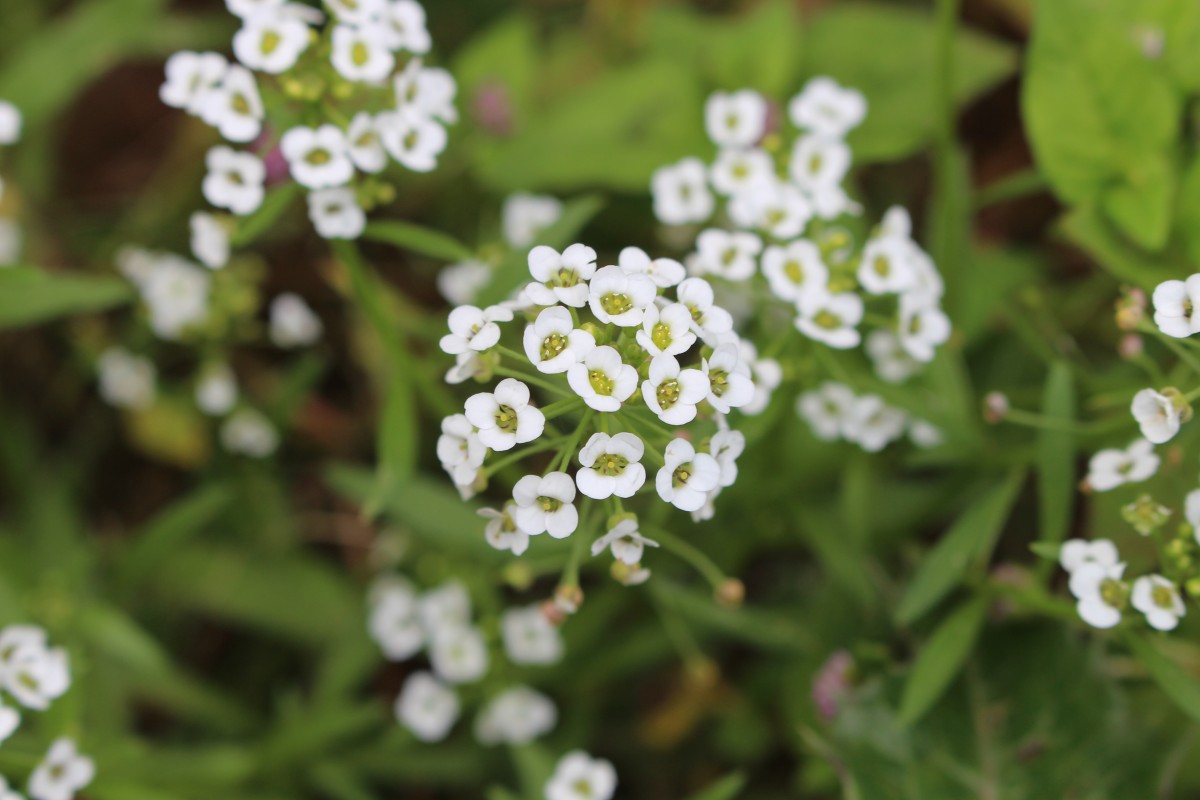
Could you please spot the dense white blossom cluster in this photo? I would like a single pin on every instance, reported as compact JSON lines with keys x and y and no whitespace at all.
{"x":34,"y":674}
{"x":835,"y":412}
{"x":10,"y":232}
{"x":1102,"y":592}
{"x":641,"y":366}
{"x":332,"y":96}
{"x":405,"y":623}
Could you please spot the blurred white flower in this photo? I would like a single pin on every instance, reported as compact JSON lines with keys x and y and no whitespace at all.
{"x":736,"y":119}
{"x":30,"y":670}
{"x":1159,"y":600}
{"x":336,"y":214}
{"x":473,"y":328}
{"x":1099,"y":593}
{"x":361,"y":53}
{"x":216,"y":390}
{"x":249,"y":433}
{"x":458,"y":654}
{"x":460,"y":450}
{"x":1074,"y":553}
{"x":708,"y":319}
{"x":210,"y":240}
{"x":825,"y":108}
{"x":1175,"y":305}
{"x":796,"y":273}
{"x":176,"y":296}
{"x":234,"y":106}
{"x":872,"y":424}
{"x":427,"y":707}
{"x":270,"y":42}
{"x":189,"y":79}
{"x":448,"y":606}
{"x":681,"y":194}
{"x":126,"y":380}
{"x":832,"y":319}
{"x":515,"y":717}
{"x":10,"y":242}
{"x":732,"y":255}
{"x":827,"y":409}
{"x":393,"y":622}
{"x":404,"y":27}
{"x":293,"y":323}
{"x":461,"y":283}
{"x":1111,"y":468}
{"x":525,"y":216}
{"x":426,"y":92}
{"x":729,"y":383}
{"x":234,"y":180}
{"x":413,"y":141}
{"x":578,"y":776}
{"x":318,"y":158}
{"x":665,"y":272}
{"x":922,"y":328}
{"x":530,"y":638}
{"x":62,"y":773}
{"x":501,"y":530}
{"x":892,"y":363}
{"x":737,"y":171}
{"x":1156,"y":415}
{"x":364,"y":144}
{"x":10,"y":123}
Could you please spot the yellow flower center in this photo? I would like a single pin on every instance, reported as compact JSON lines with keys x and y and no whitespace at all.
{"x":668,"y":394}
{"x":616,"y":303}
{"x":552,"y":345}
{"x":600,"y":382}
{"x":506,"y":419}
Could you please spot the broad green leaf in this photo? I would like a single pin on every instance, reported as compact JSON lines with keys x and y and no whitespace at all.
{"x":939,"y":661}
{"x":1088,"y":229}
{"x":1056,"y":460}
{"x":31,"y":296}
{"x":418,"y":239}
{"x":1189,"y":210}
{"x":1142,"y":204}
{"x":1182,"y":688}
{"x":887,"y":52}
{"x":728,"y":788}
{"x":968,"y":543}
{"x":497,"y":69}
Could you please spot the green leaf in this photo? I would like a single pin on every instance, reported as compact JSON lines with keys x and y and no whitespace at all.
{"x":941,"y":659}
{"x":397,"y":443}
{"x":171,"y":529}
{"x":501,"y":59}
{"x":276,"y":203}
{"x":418,"y":239}
{"x":887,"y":52}
{"x":727,"y":788}
{"x":1182,"y":688}
{"x":1088,"y":229}
{"x":31,"y":296}
{"x":1056,"y":460}
{"x":969,"y":542}
{"x":1143,"y":204}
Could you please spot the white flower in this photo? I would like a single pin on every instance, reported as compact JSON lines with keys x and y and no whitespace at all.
{"x":1074,"y":553}
{"x":10,"y":241}
{"x":892,"y":363}
{"x":357,"y":12}
{"x":796,"y":273}
{"x":361,"y":54}
{"x":561,"y":278}
{"x":767,"y":374}
{"x":1159,"y":600}
{"x":248,"y":8}
{"x":619,"y":298}
{"x":527,"y":215}
{"x":708,"y":319}
{"x":1175,"y":304}
{"x":176,"y":295}
{"x":336,"y":214}
{"x":427,"y":707}
{"x":667,"y":331}
{"x":516,"y":716}
{"x":448,"y":606}
{"x":687,"y":476}
{"x":873,"y":424}
{"x":665,"y":272}
{"x":826,"y":108}
{"x":210,"y":240}
{"x":426,"y":92}
{"x":602,"y":379}
{"x":580,"y":777}
{"x":1109,"y":469}
{"x":737,"y":119}
{"x":504,"y":417}
{"x":473,"y":328}
{"x":819,"y":164}
{"x":249,"y":433}
{"x":922,"y":328}
{"x":886,"y":266}
{"x":364,"y":144}
{"x":404,"y":27}
{"x":460,"y":283}
{"x":530,"y":638}
{"x":553,"y":344}
{"x":318,"y":158}
{"x":126,"y":380}
{"x":924,"y":434}
{"x":1098,"y":591}
{"x":611,"y":466}
{"x":414,"y":141}
{"x":10,"y":720}
{"x":832,"y":319}
{"x":778,"y":208}
{"x":460,"y":450}
{"x":737,"y":171}
{"x":729,"y":384}
{"x":10,"y":123}
{"x":1191,"y":512}
{"x":727,"y":254}
{"x":673,"y":393}
{"x":293,"y":323}
{"x":234,"y":106}
{"x":62,"y":772}
{"x":467,"y":366}
{"x":726,"y":447}
{"x":270,"y":42}
{"x":681,"y":194}
{"x":827,"y":409}
{"x":1156,"y":415}
{"x":458,"y":654}
{"x":234,"y":180}
{"x":546,"y":505}
{"x":217,"y":390}
{"x":189,"y":79}
{"x":394,"y":623}
{"x":501,"y":530}
{"x":626,"y":543}
{"x":33,"y":672}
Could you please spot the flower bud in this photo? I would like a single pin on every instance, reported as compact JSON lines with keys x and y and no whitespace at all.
{"x":731,"y":593}
{"x":1131,"y":346}
{"x":995,"y":407}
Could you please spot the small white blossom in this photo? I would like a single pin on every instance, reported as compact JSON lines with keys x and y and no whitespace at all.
{"x":1096,"y":588}
{"x":611,"y":466}
{"x":826,"y":108}
{"x":873,"y":424}
{"x":62,"y":772}
{"x":234,"y":106}
{"x":736,"y":119}
{"x":832,"y":319}
{"x":667,"y":331}
{"x":504,"y":417}
{"x":1175,"y":304}
{"x":553,"y":344}
{"x":426,"y":92}
{"x":626,"y":543}
{"x":461,"y":283}
{"x":673,"y":393}
{"x":580,"y":777}
{"x":1159,"y":600}
{"x":364,"y":144}
{"x":271,"y":42}
{"x":766,"y":373}
{"x":293,"y":323}
{"x":249,"y":433}
{"x":827,"y":409}
{"x":176,"y":296}
{"x":473,"y":328}
{"x":687,"y":476}
{"x":665,"y":272}
{"x":189,"y":79}
{"x":515,"y":717}
{"x":729,"y":384}
{"x":924,"y":434}
{"x":546,"y":505}
{"x":357,"y":12}
{"x":501,"y":530}
{"x":727,"y":254}
{"x":458,"y":654}
{"x":886,"y":265}
{"x":460,"y":450}
{"x":1074,"y":553}
{"x":30,"y":670}
{"x":467,"y":366}
{"x":708,"y":319}
{"x":796,"y":273}
{"x":318,"y":158}
{"x":448,"y":606}
{"x":1156,"y":415}
{"x":216,"y":390}
{"x":922,"y":328}
{"x":681,"y":194}
{"x":10,"y":240}
{"x":737,"y":171}
{"x":602,"y":379}
{"x":619,"y":298}
{"x":394,"y":623}
{"x":561,"y":278}
{"x":336,"y":214}
{"x":819,"y":164}
{"x":1109,"y":469}
{"x":778,"y":208}
{"x":525,"y":216}
{"x":404,"y":26}
{"x":413,"y":141}
{"x":892,"y":363}
{"x":361,"y":53}
{"x":234,"y":180}
{"x":727,"y":447}
{"x":530,"y":638}
{"x":427,"y":707}
{"x":210,"y":240}
{"x":126,"y":380}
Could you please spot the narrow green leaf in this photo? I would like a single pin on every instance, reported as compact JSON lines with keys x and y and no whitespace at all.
{"x":171,"y":529}
{"x":418,"y":239}
{"x":31,"y":296}
{"x":727,"y":788}
{"x":397,"y":444}
{"x":941,"y":659}
{"x":969,"y":542}
{"x":1182,"y":688}
{"x":252,"y":228}
{"x":1056,"y":461}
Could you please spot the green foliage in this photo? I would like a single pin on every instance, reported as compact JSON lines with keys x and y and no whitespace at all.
{"x":32,"y":296}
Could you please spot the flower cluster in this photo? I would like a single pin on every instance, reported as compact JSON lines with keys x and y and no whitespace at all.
{"x":782,"y":206}
{"x":34,"y":674}
{"x":10,"y":234}
{"x":404,"y":623}
{"x":835,"y":412}
{"x":327,"y":98}
{"x":1102,"y":593}
{"x":635,"y":375}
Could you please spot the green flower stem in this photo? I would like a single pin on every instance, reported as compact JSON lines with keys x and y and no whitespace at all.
{"x":561,"y":463}
{"x":560,"y":407}
{"x":579,"y":547}
{"x":1171,"y":344}
{"x":676,"y":629}
{"x":535,"y":380}
{"x":524,"y":452}
{"x":691,"y":554}
{"x":1030,"y":419}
